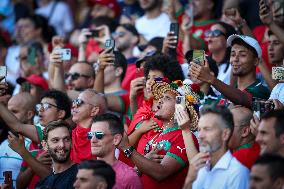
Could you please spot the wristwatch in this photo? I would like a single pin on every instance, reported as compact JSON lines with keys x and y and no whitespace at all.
{"x":128,"y":151}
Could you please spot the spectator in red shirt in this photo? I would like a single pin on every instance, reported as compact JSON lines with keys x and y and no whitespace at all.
{"x":242,"y":141}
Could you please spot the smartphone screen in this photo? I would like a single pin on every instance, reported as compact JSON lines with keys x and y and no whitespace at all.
{"x":198,"y":57}
{"x":110,"y":43}
{"x":31,"y":55}
{"x":3,"y":73}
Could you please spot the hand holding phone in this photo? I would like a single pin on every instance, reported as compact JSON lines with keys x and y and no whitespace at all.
{"x":65,"y":54}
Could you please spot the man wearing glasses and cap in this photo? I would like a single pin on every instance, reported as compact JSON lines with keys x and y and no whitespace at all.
{"x":106,"y":132}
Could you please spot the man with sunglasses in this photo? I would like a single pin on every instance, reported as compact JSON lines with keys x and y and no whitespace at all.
{"x":106,"y":133}
{"x":81,"y":76}
{"x":85,"y":107}
{"x":54,"y":105}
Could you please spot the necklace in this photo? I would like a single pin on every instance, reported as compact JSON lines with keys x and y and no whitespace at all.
{"x":153,"y":142}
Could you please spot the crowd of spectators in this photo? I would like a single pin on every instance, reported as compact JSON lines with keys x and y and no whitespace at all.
{"x":131,"y":94}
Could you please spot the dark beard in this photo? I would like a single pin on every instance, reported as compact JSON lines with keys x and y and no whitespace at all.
{"x":59,"y":159}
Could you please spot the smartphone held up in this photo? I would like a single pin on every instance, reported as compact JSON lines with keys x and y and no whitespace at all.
{"x":3,"y":73}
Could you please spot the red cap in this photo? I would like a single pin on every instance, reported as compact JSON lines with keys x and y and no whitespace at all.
{"x":34,"y":80}
{"x":112,"y":4}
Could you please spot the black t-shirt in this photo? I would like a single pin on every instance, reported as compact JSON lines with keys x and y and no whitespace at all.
{"x":64,"y":180}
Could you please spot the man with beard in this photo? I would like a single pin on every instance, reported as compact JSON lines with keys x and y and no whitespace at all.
{"x":57,"y":140}
{"x":54,"y":105}
{"x":214,"y":166}
{"x":154,"y":23}
{"x":245,"y":56}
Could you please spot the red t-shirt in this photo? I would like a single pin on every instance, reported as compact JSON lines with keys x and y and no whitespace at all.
{"x":247,"y":154}
{"x":259,"y":33}
{"x":129,"y":76}
{"x":170,"y":142}
{"x":81,"y":148}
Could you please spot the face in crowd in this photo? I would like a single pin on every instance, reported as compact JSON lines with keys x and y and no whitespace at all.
{"x":58,"y":144}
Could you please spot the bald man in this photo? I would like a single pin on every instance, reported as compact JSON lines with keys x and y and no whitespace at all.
{"x":22,"y":106}
{"x":242,"y":142}
{"x":85,"y":107}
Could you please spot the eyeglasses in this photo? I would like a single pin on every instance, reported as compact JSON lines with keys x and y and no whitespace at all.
{"x":118,"y":34}
{"x":75,"y":76}
{"x":45,"y":106}
{"x":78,"y":102}
{"x":99,"y":135}
{"x":214,"y":33}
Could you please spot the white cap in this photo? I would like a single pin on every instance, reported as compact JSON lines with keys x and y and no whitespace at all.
{"x":248,"y":40}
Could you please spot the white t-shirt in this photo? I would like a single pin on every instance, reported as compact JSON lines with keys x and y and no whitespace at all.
{"x":61,"y":18}
{"x":278,"y":92}
{"x":154,"y":27}
{"x":13,"y":64}
{"x":227,"y":173}
{"x":10,"y":160}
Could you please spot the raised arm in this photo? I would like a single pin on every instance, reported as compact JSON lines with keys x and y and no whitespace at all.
{"x":266,"y":17}
{"x":233,"y":94}
{"x":14,"y":124}
{"x":17,"y":144}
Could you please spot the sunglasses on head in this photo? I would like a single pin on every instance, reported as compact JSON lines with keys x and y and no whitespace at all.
{"x":75,"y":76}
{"x":99,"y":135}
{"x":214,"y":33}
{"x":45,"y":106}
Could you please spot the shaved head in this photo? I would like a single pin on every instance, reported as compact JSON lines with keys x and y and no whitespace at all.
{"x":22,"y":105}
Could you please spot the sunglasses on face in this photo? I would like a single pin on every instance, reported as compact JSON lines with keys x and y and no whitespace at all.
{"x":75,"y":76}
{"x":118,"y":34}
{"x":99,"y":135}
{"x":214,"y":33}
{"x":78,"y":102}
{"x":45,"y":106}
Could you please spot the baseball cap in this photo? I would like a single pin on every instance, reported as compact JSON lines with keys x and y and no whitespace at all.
{"x":34,"y":80}
{"x":112,"y":4}
{"x":248,"y":40}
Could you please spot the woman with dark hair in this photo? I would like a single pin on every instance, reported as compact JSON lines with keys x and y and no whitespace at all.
{"x":217,"y":42}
